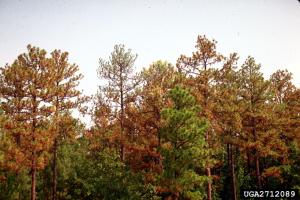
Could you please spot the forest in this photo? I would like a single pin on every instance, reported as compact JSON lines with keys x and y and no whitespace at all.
{"x":203,"y":128}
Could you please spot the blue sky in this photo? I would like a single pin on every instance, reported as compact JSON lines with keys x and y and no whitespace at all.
{"x":268,"y":30}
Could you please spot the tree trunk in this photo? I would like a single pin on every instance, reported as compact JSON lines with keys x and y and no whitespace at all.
{"x":209,"y":185}
{"x":122,"y":116}
{"x":208,"y":173}
{"x":33,"y":175}
{"x":232,"y":173}
{"x":205,"y":95}
{"x":55,"y":146}
{"x":33,"y":159}
{"x":257,"y":171}
{"x":54,"y":170}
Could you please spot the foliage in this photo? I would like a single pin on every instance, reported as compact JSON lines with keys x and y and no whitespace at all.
{"x":148,"y":139}
{"x":98,"y":175}
{"x":183,"y":147}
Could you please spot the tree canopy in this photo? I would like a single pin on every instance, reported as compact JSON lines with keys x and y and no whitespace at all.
{"x":204,"y":128}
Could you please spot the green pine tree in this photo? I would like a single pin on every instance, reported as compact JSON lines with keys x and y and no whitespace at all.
{"x":183,"y":148}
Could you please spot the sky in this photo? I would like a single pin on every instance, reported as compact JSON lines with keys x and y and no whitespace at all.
{"x":268,"y":30}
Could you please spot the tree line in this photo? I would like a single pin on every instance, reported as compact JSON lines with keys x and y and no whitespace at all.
{"x":204,"y":128}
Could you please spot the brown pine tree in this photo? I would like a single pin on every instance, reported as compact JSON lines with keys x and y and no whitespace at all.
{"x":259,"y":136}
{"x":144,"y":117}
{"x":227,"y":112}
{"x":65,"y":98}
{"x":25,"y":88}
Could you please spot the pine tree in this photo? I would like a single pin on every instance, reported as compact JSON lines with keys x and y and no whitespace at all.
{"x":144,"y":118}
{"x":65,"y":97}
{"x":286,"y":105}
{"x":183,"y":148}
{"x":200,"y":73}
{"x":25,"y":88}
{"x":227,"y":113}
{"x":259,"y":136}
{"x":118,"y":72}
